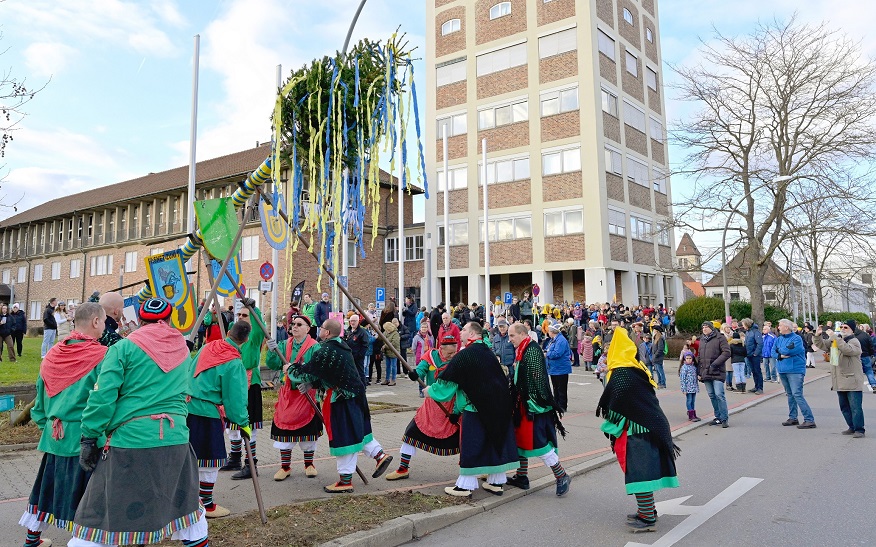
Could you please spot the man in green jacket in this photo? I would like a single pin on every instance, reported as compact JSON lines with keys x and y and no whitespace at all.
{"x":145,"y":483}
{"x":66,"y":375}
{"x":218,"y":380}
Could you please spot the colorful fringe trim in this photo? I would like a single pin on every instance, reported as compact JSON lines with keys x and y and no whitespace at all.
{"x":296,"y":439}
{"x":212,"y":463}
{"x":430,"y":449}
{"x":49,"y":518}
{"x":254,"y":425}
{"x":128,"y":538}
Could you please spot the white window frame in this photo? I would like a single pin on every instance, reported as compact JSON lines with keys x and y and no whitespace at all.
{"x":249,"y":248}
{"x":617,"y":222}
{"x":414,"y":247}
{"x":565,"y":215}
{"x":651,"y":78}
{"x":567,"y":160}
{"x":457,"y":124}
{"x":628,"y":17}
{"x":663,"y":234}
{"x":610,"y":102}
{"x":634,"y":116}
{"x":517,"y":222}
{"x":56,"y":270}
{"x":101,"y":265}
{"x":75,"y":268}
{"x":657,"y":132}
{"x":632,"y":62}
{"x":450,"y":73}
{"x":22,"y":274}
{"x":641,"y":229}
{"x":649,"y":35}
{"x":450,"y":26}
{"x":351,"y":254}
{"x":131,"y":261}
{"x":561,"y":96}
{"x":501,"y":59}
{"x":558,"y":43}
{"x":602,"y":41}
{"x":658,"y":180}
{"x":458,"y":178}
{"x":7,"y":276}
{"x":516,"y":164}
{"x":36,"y":309}
{"x":637,"y":171}
{"x":500,"y":10}
{"x":390,"y":250}
{"x":156,"y":251}
{"x":517,"y":111}
{"x":457,"y":231}
{"x":37,"y":272}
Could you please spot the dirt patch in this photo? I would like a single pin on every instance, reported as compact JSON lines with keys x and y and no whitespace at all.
{"x":29,"y":433}
{"x":315,"y":522}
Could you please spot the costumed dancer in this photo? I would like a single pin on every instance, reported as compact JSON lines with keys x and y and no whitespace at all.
{"x":431,"y":429}
{"x":250,"y":354}
{"x":67,"y":374}
{"x":638,"y":430}
{"x":536,"y":413}
{"x":345,"y":407}
{"x":145,"y":482}
{"x":474,"y":376}
{"x":218,"y":393}
{"x":295,"y":420}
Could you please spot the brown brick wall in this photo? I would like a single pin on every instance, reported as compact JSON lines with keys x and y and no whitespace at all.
{"x":455,"y":41}
{"x":661,"y":203}
{"x":487,"y":30}
{"x":611,"y":127}
{"x":507,"y":194}
{"x":455,"y":148}
{"x":614,"y":186}
{"x":607,"y":69}
{"x":450,"y":95}
{"x":458,"y":257}
{"x":648,"y":5}
{"x":630,"y":33}
{"x":503,"y":81}
{"x":555,"y":11}
{"x":658,"y":152}
{"x":557,"y":67}
{"x":605,"y":11}
{"x":665,"y":255}
{"x":636,"y":140}
{"x":640,"y":196}
{"x":654,"y":100}
{"x":564,"y":248}
{"x":503,"y":137}
{"x":557,"y":284}
{"x":643,"y":252}
{"x":578,"y":287}
{"x":508,"y":253}
{"x":457,"y":201}
{"x":561,"y":126}
{"x":633,"y":86}
{"x":618,"y":246}
{"x":650,"y":47}
{"x":562,"y":186}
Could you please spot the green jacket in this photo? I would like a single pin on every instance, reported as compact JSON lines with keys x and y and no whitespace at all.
{"x":129,"y":389}
{"x":310,"y":311}
{"x":251,"y":351}
{"x":423,"y":371}
{"x":274,"y":362}
{"x":224,"y":385}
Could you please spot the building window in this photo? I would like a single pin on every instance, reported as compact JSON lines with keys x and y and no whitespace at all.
{"x":22,"y":274}
{"x":249,"y":249}
{"x":663,"y":234}
{"x":414,"y":247}
{"x":449,"y":27}
{"x":37,"y":272}
{"x":640,"y":229}
{"x":617,"y":222}
{"x":457,"y":233}
{"x":606,"y":44}
{"x":131,"y":261}
{"x":658,"y":179}
{"x":56,"y":270}
{"x":657,"y":131}
{"x":390,"y":249}
{"x":7,"y":277}
{"x":628,"y":16}
{"x":458,"y":178}
{"x":350,"y":254}
{"x":651,"y":78}
{"x":102,"y":265}
{"x":508,"y":228}
{"x":75,"y":268}
{"x":633,"y":116}
{"x":632,"y":64}
{"x":637,"y":172}
{"x":734,"y":296}
{"x":502,"y":59}
{"x":563,"y":161}
{"x":456,"y":125}
{"x":745,"y":272}
{"x":556,"y":102}
{"x":649,"y":35}
{"x":866,"y":279}
{"x":613,"y":161}
{"x":557,"y":43}
{"x":503,"y":115}
{"x":505,"y":170}
{"x":450,"y":73}
{"x":500,"y":10}
{"x":36,"y":308}
{"x":609,"y":103}
{"x":770,"y":296}
{"x":256,"y":295}
{"x":558,"y":223}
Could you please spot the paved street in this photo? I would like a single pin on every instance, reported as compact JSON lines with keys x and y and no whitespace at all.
{"x":430,"y":473}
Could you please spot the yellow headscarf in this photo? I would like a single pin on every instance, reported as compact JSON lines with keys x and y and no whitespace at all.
{"x":622,"y":353}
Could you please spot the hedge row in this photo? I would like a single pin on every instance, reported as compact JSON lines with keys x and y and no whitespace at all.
{"x":690,"y":315}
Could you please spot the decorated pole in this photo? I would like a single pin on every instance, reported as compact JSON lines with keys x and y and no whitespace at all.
{"x":275,"y":253}
{"x":193,"y":137}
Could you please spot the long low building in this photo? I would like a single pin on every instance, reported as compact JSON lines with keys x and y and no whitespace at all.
{"x":97,"y":241}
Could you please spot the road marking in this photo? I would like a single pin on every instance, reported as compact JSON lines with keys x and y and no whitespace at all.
{"x":698,"y":514}
{"x":379,"y":393}
{"x":580,"y":383}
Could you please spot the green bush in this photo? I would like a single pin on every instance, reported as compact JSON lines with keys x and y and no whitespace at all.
{"x":841,"y":317}
{"x":690,"y":315}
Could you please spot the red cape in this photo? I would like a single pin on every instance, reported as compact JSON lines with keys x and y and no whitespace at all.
{"x":65,"y":364}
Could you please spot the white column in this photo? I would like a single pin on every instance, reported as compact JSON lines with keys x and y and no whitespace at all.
{"x":193,"y":137}
{"x":401,"y":231}
{"x":487,"y":298}
{"x":446,"y":222}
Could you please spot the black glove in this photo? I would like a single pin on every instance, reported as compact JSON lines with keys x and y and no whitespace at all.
{"x":89,"y":453}
{"x":191,"y":345}
{"x":413,"y":375}
{"x":454,"y":418}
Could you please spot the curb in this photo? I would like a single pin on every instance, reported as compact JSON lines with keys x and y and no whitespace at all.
{"x":17,"y":447}
{"x":401,"y":530}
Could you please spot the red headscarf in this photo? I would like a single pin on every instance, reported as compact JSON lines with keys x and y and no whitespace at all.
{"x":65,"y":364}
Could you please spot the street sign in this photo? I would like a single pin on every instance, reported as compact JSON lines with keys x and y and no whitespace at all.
{"x":508,"y":297}
{"x":343,"y":280}
{"x":535,"y":289}
{"x":266,"y":286}
{"x":266,"y":271}
{"x":380,"y":294}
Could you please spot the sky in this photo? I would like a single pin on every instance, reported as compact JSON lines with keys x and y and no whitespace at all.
{"x":118,"y":74}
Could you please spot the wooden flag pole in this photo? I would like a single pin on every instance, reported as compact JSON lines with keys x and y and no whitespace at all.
{"x":255,"y":480}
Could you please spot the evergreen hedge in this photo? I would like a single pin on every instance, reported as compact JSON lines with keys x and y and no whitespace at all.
{"x":690,"y":315}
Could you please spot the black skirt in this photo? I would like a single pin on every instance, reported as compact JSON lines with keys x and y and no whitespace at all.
{"x":207,"y":437}
{"x":478,"y":455}
{"x":310,"y":432}
{"x":440,"y":447}
{"x":253,"y":407}
{"x":60,"y":484}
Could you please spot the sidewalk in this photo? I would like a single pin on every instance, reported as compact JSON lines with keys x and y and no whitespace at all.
{"x":429,"y":473}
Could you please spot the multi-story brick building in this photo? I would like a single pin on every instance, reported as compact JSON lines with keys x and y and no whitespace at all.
{"x":97,"y":240}
{"x":569,"y":97}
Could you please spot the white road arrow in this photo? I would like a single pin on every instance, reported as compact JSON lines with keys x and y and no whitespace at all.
{"x":580,"y":383}
{"x":699,"y":514}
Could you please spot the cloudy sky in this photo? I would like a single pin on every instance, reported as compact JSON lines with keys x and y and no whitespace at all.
{"x":117,"y":103}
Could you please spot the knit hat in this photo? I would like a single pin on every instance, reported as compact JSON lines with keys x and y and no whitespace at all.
{"x":554,"y":327}
{"x":303,"y":318}
{"x":685,"y":354}
{"x":155,"y":309}
{"x":708,"y":324}
{"x":852,"y":324}
{"x":501,"y":322}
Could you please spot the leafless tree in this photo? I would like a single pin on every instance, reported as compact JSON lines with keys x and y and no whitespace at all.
{"x":785,"y":117}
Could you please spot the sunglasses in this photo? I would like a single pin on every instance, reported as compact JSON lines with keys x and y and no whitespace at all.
{"x":299,"y":324}
{"x":242,"y":315}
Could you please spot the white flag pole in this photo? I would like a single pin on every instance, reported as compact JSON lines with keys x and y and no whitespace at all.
{"x":486,"y":234}
{"x":446,"y":224}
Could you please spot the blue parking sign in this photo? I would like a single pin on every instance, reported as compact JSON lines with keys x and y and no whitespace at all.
{"x":380,"y":294}
{"x":508,"y":298}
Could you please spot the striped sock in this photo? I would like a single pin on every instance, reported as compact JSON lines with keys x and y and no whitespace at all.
{"x":252,"y":447}
{"x":523,"y":469}
{"x":236,"y":446}
{"x":308,"y":458}
{"x":32,"y":539}
{"x":285,"y":458}
{"x":647,"y":510}
{"x":205,"y":491}
{"x":405,"y":463}
{"x":379,"y":455}
{"x":203,"y":542}
{"x":558,"y":470}
{"x":346,"y":479}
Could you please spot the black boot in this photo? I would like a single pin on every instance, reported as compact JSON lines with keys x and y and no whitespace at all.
{"x":233,"y":463}
{"x":740,"y":388}
{"x":245,"y":473}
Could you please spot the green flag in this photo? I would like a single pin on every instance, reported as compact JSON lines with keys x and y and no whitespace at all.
{"x":219,"y":224}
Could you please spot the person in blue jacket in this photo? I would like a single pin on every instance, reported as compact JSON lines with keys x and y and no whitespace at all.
{"x":791,"y":365}
{"x":559,"y":365}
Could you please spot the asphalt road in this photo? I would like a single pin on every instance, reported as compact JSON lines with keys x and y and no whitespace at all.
{"x":816,"y":489}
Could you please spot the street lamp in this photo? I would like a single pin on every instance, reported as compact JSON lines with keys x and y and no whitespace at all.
{"x":778,"y":179}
